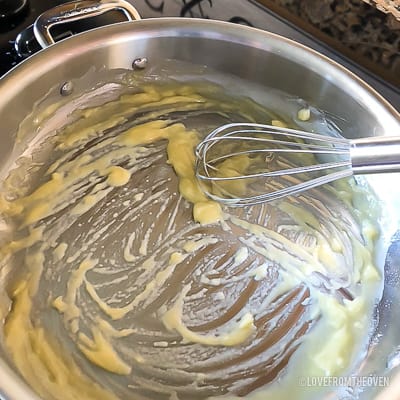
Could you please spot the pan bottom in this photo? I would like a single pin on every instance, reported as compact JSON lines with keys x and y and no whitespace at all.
{"x":122,"y":290}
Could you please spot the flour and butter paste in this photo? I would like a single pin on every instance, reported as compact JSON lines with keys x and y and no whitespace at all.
{"x":131,"y":284}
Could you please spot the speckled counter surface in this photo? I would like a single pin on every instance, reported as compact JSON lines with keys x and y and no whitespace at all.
{"x":357,"y":29}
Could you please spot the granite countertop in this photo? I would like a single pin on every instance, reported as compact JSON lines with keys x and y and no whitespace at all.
{"x":358,"y":29}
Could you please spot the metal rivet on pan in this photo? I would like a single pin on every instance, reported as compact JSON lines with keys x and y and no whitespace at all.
{"x":139,"y":63}
{"x":66,"y":88}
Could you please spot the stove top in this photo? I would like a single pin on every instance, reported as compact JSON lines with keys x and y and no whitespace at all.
{"x":17,"y":17}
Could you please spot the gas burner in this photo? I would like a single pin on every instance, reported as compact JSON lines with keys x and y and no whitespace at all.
{"x":15,"y":16}
{"x":12,"y":13}
{"x":17,"y":40}
{"x":12,"y":9}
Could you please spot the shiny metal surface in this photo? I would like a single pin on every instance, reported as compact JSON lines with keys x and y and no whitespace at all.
{"x":75,"y":11}
{"x":278,"y":63}
{"x":375,"y":155}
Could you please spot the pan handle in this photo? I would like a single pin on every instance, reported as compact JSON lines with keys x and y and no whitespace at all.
{"x":77,"y":10}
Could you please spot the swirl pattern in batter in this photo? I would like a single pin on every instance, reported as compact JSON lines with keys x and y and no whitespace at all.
{"x":132,"y":284}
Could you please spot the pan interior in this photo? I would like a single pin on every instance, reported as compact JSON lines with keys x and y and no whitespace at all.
{"x":113,"y":290}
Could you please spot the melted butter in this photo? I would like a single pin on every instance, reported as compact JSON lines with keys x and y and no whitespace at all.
{"x":60,"y":250}
{"x":252,"y":251}
{"x":67,"y":304}
{"x":101,"y":352}
{"x":207,"y":212}
{"x":231,"y":167}
{"x":118,"y":176}
{"x":37,"y":355}
{"x":172,"y":319}
{"x":181,"y":155}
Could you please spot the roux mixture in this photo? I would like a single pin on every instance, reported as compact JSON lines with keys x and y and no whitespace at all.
{"x":130,"y":283}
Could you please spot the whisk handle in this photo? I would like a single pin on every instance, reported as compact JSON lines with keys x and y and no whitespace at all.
{"x":375,"y":154}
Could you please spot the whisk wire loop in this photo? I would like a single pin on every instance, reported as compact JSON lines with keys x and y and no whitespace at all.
{"x":247,"y":163}
{"x":269,"y":151}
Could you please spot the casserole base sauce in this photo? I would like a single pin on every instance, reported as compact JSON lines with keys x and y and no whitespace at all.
{"x":130,"y":283}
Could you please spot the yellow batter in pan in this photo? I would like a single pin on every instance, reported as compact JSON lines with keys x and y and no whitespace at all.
{"x":133,"y":284}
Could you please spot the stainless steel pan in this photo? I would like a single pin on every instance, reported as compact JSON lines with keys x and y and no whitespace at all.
{"x":244,"y":60}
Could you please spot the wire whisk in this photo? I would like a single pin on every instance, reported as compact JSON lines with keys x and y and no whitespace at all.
{"x":243,"y":164}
